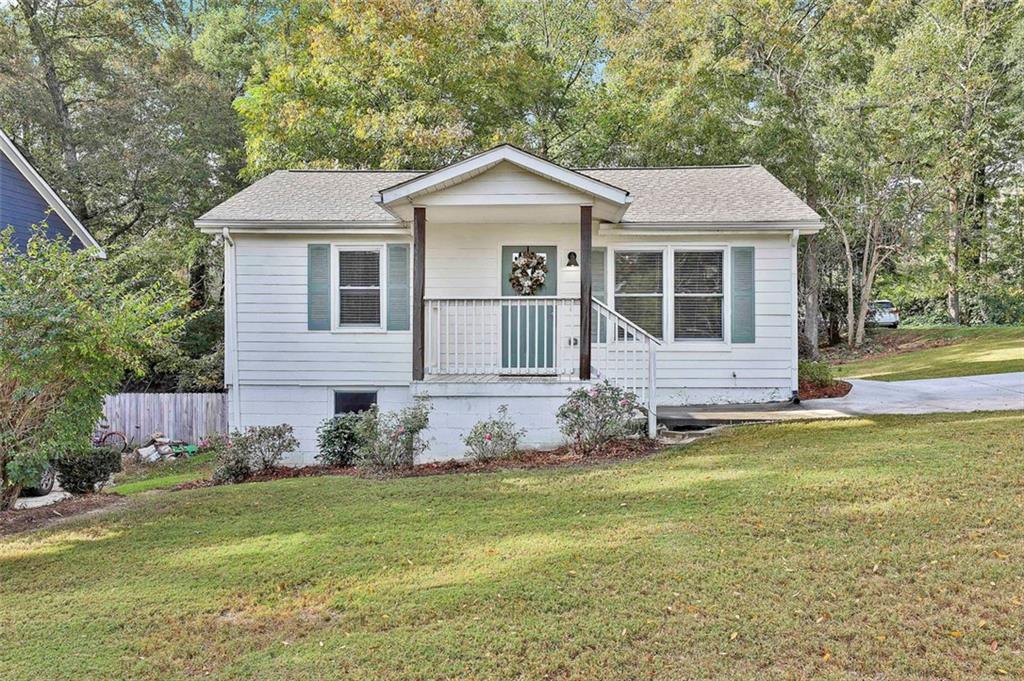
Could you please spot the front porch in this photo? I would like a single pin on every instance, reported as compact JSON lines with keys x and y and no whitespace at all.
{"x":471,"y":224}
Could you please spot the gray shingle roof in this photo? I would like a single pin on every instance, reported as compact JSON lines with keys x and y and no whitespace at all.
{"x":709,"y":194}
{"x":705,"y":194}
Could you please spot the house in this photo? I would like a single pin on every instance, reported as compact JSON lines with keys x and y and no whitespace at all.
{"x":348,"y":288}
{"x":26,"y":199}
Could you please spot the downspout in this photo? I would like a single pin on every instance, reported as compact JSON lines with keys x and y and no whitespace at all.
{"x":794,"y":240}
{"x":231,"y":329}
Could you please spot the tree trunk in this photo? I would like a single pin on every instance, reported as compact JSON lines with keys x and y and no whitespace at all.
{"x":55,"y":89}
{"x":811,"y":283}
{"x":850,"y":319}
{"x":8,"y":496}
{"x":811,"y":295}
{"x":953,"y":259}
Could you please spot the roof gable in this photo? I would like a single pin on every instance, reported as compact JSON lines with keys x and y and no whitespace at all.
{"x":462,"y":171}
{"x":48,"y":196}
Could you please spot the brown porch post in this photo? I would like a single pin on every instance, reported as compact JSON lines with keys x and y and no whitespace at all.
{"x":586,"y":289}
{"x":419,"y":260}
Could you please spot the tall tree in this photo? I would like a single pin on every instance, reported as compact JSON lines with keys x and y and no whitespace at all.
{"x":948,"y":78}
{"x":731,"y":81}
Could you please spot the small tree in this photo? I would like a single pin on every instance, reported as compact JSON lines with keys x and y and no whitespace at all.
{"x":68,"y":332}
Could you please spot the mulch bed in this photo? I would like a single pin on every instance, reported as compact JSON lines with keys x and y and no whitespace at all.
{"x":811,"y":391}
{"x":14,"y":521}
{"x":563,"y":456}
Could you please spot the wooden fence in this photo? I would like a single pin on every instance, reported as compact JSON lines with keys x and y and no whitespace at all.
{"x":179,"y":416}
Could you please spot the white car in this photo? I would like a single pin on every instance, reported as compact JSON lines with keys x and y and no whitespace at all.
{"x":884,"y":313}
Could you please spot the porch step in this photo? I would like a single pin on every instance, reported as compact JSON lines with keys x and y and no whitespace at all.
{"x":696,"y":417}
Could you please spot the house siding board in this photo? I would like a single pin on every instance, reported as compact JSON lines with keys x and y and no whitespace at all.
{"x":503,"y":184}
{"x":274,"y":343}
{"x":21,"y":206}
{"x":275,"y":348}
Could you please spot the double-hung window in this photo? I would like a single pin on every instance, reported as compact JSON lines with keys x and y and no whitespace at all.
{"x":699,"y":295}
{"x":639,"y":290}
{"x":359,"y":287}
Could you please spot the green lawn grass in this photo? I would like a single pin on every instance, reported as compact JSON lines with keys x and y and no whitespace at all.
{"x":972,"y":351}
{"x":888,"y":547}
{"x":146,"y":477}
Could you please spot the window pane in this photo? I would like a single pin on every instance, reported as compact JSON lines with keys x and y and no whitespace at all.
{"x":345,"y":403}
{"x":358,"y":268}
{"x":698,"y":271}
{"x":357,"y":306}
{"x":638,"y":272}
{"x":698,"y":318}
{"x":644,"y":312}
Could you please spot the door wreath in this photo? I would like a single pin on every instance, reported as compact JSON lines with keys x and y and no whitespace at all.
{"x":528,"y":273}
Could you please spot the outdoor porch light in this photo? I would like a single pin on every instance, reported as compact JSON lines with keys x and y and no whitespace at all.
{"x":572,"y":262}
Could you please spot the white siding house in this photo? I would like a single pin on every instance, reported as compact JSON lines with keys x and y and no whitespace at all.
{"x":346,"y":288}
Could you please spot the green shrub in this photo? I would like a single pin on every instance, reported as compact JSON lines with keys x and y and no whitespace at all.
{"x":230,"y":464}
{"x":592,"y":417}
{"x":391,"y":440}
{"x":816,"y":373}
{"x":338,"y":439}
{"x":494,"y":438}
{"x":81,"y":471}
{"x":258,"y":448}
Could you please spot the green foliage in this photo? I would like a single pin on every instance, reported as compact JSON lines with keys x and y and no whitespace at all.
{"x":593,"y":417}
{"x":496,"y":437}
{"x":257,"y":448}
{"x":81,"y":470}
{"x":231,"y":464}
{"x":338,"y":439}
{"x":392,"y":439}
{"x":818,"y":374}
{"x":70,"y":330}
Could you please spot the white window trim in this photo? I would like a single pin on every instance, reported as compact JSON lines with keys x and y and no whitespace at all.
{"x":726,"y":339}
{"x":668,"y":325}
{"x":381,"y":250}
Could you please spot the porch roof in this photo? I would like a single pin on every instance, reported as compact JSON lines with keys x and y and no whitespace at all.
{"x":737,"y":196}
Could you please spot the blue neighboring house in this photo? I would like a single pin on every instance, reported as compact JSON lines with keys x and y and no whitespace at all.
{"x":26,"y":199}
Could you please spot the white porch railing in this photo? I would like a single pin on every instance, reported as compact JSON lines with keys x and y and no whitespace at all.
{"x":537,"y":336}
{"x":508,"y":336}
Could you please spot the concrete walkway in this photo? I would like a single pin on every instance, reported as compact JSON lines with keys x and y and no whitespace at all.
{"x":996,"y":392}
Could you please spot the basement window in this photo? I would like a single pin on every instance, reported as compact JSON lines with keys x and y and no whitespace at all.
{"x":347,"y":402}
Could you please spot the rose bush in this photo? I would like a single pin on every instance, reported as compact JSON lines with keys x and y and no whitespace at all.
{"x":592,"y":417}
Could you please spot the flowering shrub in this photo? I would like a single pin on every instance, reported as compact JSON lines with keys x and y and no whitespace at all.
{"x":591,"y":417}
{"x":338,"y":439}
{"x":494,"y":438}
{"x":391,"y":439}
{"x":257,"y":448}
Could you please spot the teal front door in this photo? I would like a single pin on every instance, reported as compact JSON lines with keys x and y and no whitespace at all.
{"x":528,"y":327}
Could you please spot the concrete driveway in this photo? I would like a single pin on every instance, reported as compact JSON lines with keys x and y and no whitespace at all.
{"x":927,"y":396}
{"x":997,"y":392}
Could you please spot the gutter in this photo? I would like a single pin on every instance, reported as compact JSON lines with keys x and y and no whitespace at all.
{"x":794,"y":241}
{"x":231,"y":312}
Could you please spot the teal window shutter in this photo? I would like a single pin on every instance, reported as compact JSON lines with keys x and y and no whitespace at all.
{"x":399,"y":293}
{"x":598,"y":268}
{"x":318,"y":287}
{"x":743,"y":319}
{"x":599,"y":291}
